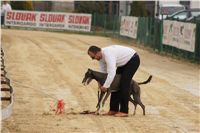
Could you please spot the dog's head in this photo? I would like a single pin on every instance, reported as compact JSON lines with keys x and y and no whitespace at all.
{"x":88,"y":77}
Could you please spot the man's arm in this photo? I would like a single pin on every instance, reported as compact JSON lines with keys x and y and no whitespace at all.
{"x":111,"y":69}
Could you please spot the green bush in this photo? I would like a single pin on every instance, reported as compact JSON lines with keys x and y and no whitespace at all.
{"x":91,"y":7}
{"x":21,"y":5}
{"x":138,"y":9}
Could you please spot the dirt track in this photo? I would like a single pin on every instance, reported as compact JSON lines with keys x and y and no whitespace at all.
{"x":46,"y":66}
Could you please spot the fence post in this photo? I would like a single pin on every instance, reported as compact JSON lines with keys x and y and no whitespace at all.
{"x":118,"y":22}
{"x":94,"y":22}
{"x":138,"y":30}
{"x":104,"y":23}
{"x":161,"y":36}
{"x":150,"y":30}
{"x":197,"y":43}
{"x":114,"y":22}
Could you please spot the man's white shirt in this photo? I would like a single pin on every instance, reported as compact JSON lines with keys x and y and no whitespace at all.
{"x":4,"y":8}
{"x":112,"y":57}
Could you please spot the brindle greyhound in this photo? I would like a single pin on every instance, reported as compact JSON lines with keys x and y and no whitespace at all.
{"x":134,"y":89}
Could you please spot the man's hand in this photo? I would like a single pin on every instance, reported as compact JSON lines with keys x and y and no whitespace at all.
{"x":103,"y":89}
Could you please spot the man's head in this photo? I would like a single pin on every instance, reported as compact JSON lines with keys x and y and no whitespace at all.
{"x":5,"y":2}
{"x":95,"y":52}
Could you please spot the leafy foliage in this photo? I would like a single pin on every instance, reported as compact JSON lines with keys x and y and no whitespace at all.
{"x":91,"y":7}
{"x":21,"y":5}
{"x":138,"y":9}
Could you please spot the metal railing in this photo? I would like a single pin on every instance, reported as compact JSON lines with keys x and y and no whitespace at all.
{"x":150,"y":33}
{"x":7,"y":92}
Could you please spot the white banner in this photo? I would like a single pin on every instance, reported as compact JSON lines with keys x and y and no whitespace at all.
{"x":166,"y":32}
{"x":68,"y":21}
{"x":180,"y":35}
{"x":188,"y":32}
{"x":79,"y":22}
{"x":129,"y":26}
{"x":21,"y":18}
{"x":51,"y":20}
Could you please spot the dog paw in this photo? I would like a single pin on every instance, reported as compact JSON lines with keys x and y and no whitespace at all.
{"x":97,"y":113}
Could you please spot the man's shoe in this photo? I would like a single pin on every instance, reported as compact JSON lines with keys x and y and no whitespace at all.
{"x":111,"y":113}
{"x":121,"y":114}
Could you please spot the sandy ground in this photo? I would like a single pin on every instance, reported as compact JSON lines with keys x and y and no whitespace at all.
{"x":44,"y":67}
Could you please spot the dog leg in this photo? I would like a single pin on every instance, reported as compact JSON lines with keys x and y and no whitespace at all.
{"x":99,"y":102}
{"x":141,"y":104}
{"x":100,"y":99}
{"x":106,"y":97}
{"x":135,"y":104}
{"x":143,"y":107}
{"x":97,"y":111}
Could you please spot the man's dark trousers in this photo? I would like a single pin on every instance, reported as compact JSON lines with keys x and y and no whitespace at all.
{"x":121,"y":97}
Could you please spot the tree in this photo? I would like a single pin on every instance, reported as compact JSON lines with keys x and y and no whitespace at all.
{"x":138,"y":9}
{"x":21,"y":5}
{"x":91,"y":7}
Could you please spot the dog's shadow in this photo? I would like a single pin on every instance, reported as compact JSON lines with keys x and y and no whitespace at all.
{"x":86,"y":112}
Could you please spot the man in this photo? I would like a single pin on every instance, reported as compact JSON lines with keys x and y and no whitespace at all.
{"x":5,"y":7}
{"x":121,"y":60}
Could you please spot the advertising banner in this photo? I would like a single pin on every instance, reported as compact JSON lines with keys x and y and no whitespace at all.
{"x":179,"y":34}
{"x":187,"y":39}
{"x":78,"y":22}
{"x":129,"y":26}
{"x":21,"y":18}
{"x":68,"y":21}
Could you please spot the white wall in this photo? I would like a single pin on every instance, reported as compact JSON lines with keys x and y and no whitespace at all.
{"x":168,"y":1}
{"x":195,"y":4}
{"x":63,"y":6}
{"x":124,"y":8}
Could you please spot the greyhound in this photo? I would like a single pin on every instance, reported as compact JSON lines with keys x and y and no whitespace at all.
{"x":134,"y":89}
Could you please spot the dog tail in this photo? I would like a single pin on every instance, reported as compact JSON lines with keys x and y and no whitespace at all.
{"x":147,"y":81}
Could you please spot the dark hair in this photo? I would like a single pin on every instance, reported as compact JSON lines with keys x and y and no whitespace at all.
{"x":94,"y":49}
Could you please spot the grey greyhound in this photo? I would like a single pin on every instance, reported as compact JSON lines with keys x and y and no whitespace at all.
{"x":134,"y":89}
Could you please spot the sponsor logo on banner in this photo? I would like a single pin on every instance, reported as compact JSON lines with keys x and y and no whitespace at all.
{"x":51,"y":20}
{"x":79,"y":21}
{"x":180,"y":35}
{"x":129,"y":26}
{"x":21,"y":18}
{"x":68,"y":21}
